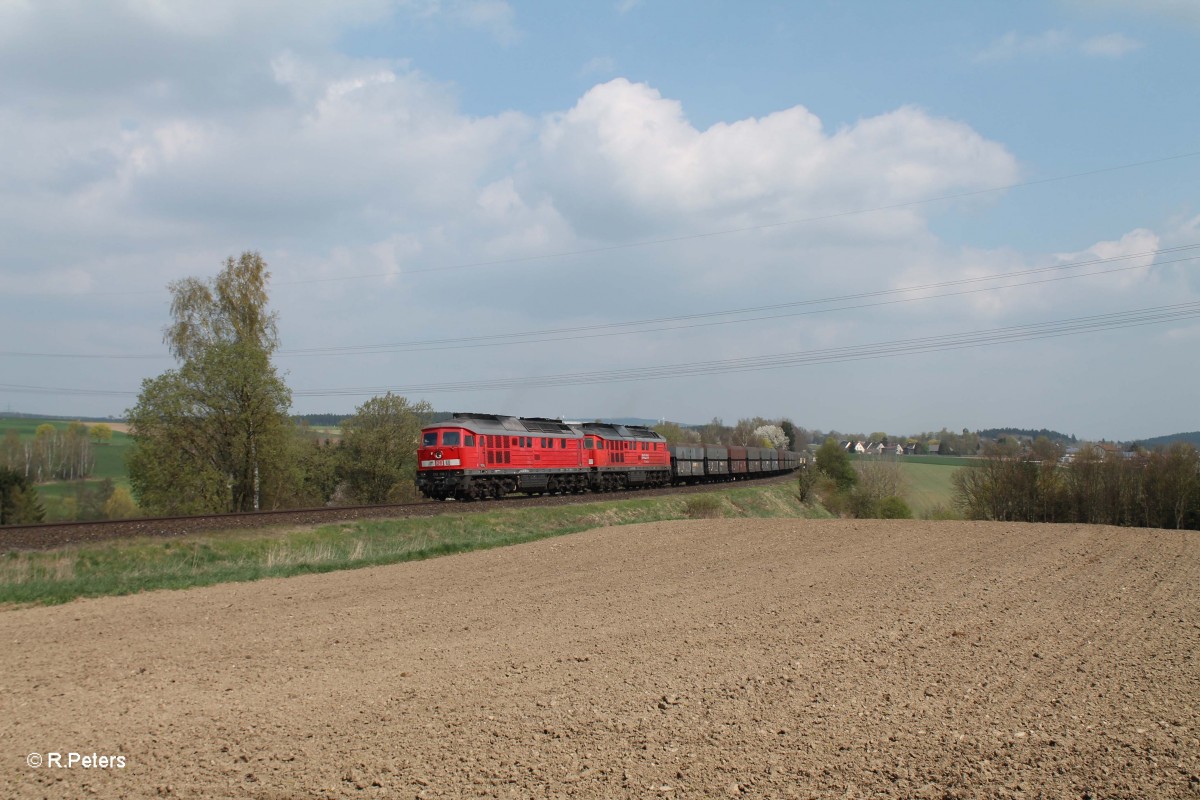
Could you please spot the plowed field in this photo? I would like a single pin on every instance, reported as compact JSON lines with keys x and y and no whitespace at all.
{"x":758,"y":658}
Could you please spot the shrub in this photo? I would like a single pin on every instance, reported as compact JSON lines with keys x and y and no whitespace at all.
{"x":835,"y":462}
{"x":703,"y":506}
{"x":941,"y":511}
{"x":894,"y":508}
{"x":806,"y":484}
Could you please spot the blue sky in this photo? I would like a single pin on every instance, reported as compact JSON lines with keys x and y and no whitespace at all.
{"x":475,"y":169}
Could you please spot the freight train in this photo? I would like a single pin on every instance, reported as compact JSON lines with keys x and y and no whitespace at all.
{"x":480,"y":456}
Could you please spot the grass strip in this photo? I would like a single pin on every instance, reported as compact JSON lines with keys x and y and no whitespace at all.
{"x":143,"y":564}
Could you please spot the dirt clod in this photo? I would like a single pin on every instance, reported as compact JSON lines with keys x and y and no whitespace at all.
{"x":745,"y":658}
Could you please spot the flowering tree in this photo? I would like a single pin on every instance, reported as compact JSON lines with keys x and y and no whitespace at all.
{"x":770,"y":436}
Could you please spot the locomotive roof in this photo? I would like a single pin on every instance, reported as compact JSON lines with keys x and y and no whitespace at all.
{"x":503,"y":424}
{"x":613,"y":431}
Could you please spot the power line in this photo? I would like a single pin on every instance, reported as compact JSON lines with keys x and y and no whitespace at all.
{"x":877,"y":350}
{"x":1067,"y":327}
{"x":638,"y":326}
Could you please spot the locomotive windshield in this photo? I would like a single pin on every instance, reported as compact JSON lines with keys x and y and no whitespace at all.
{"x":429,"y":439}
{"x":450,"y":438}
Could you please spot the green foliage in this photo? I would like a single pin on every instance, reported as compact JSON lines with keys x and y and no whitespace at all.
{"x":379,"y":448}
{"x":120,"y":505}
{"x":231,"y":309}
{"x":19,"y":504}
{"x":1160,"y":489}
{"x":789,"y":430}
{"x":213,"y":435}
{"x":834,"y":462}
{"x":318,"y":469}
{"x":806,"y":483}
{"x":675,"y":433}
{"x":100,"y":433}
{"x":894,"y":508}
{"x":91,"y":497}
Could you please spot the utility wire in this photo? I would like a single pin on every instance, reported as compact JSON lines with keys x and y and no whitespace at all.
{"x":638,"y":326}
{"x":833,"y":355}
{"x":1079,"y":325}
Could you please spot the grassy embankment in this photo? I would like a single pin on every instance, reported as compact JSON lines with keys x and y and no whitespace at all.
{"x":129,"y":566}
{"x":58,"y":497}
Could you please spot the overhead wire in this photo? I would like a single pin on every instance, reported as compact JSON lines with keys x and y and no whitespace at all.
{"x":876,"y":350}
{"x":1066,"y":327}
{"x":599,"y":330}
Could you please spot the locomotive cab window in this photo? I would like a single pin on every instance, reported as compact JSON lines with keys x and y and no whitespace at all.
{"x":451,"y":438}
{"x":587,"y":444}
{"x":429,"y":439}
{"x":468,"y":441}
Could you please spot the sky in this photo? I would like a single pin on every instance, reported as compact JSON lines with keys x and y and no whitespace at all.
{"x":862,"y":216}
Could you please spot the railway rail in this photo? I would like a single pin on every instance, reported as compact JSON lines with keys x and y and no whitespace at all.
{"x":50,"y":535}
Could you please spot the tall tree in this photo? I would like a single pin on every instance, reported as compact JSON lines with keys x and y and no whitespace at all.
{"x":380,"y":448}
{"x":210,"y":435}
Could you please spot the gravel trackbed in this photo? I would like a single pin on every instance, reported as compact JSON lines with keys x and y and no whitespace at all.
{"x":722,"y":658}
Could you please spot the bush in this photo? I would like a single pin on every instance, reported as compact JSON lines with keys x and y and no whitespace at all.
{"x":703,"y":506}
{"x":862,"y":505}
{"x":894,"y":508}
{"x":941,"y":511}
{"x":834,"y":462}
{"x":806,"y":484}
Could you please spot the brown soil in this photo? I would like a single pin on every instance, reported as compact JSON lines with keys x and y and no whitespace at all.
{"x":695,"y":659}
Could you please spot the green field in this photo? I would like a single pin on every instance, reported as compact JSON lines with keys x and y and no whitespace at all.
{"x":928,"y":486}
{"x":58,"y":496}
{"x":128,"y":566}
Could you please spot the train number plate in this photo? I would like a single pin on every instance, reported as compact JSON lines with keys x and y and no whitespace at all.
{"x":442,"y":462}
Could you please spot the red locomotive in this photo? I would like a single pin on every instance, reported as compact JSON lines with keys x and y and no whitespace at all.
{"x":477,"y":456}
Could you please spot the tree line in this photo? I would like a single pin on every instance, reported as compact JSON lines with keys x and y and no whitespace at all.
{"x":1152,"y":489}
{"x":51,"y":454}
{"x":748,"y":432}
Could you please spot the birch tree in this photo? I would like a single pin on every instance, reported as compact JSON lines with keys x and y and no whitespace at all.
{"x":208,"y":433}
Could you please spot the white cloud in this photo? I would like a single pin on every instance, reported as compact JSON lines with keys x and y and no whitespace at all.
{"x":1014,"y":45}
{"x":1114,"y":45}
{"x":627,"y":159}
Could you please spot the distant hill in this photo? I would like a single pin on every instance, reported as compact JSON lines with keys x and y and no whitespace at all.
{"x":1028,"y":433}
{"x":1192,"y":438}
{"x":21,"y":415}
{"x":320,"y":419}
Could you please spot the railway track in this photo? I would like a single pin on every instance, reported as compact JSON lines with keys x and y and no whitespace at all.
{"x":49,"y":535}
